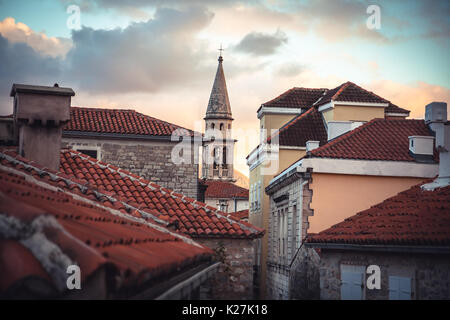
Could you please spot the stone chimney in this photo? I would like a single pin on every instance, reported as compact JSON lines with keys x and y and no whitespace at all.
{"x":40,"y":113}
{"x":436,"y":118}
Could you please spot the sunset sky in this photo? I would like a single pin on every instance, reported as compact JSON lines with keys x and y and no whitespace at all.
{"x":160,"y":57}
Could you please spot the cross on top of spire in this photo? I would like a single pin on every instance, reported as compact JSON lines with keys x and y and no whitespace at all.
{"x":220,"y":55}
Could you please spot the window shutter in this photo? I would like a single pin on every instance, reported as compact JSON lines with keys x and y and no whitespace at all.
{"x":399,"y":288}
{"x":351,"y":286}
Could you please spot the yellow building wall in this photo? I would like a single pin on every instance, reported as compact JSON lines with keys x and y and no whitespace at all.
{"x":352,"y":113}
{"x":274,"y":121}
{"x":357,"y":113}
{"x":338,"y":196}
{"x":288,"y":157}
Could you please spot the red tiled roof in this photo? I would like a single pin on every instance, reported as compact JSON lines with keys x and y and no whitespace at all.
{"x":413,"y":217}
{"x":134,"y":195}
{"x":120,"y":121}
{"x":90,"y":236}
{"x":392,"y":108}
{"x":306,"y":126}
{"x":241,"y":215}
{"x":378,"y":139}
{"x":224,"y":189}
{"x":350,"y":92}
{"x":296,"y":98}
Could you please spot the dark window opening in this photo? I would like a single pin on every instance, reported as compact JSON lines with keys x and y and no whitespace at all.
{"x":90,"y":153}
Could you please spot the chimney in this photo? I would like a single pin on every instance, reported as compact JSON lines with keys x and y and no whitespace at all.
{"x":39,"y":114}
{"x":421,"y":148}
{"x":337,"y":128}
{"x":436,"y":118}
{"x":311,"y":145}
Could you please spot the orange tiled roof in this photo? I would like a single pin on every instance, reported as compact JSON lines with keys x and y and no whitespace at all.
{"x":350,"y":92}
{"x":130,"y":194}
{"x":413,"y":217}
{"x":224,"y":189}
{"x":392,"y":108}
{"x":378,"y":139}
{"x":296,"y":98}
{"x":306,"y":126}
{"x":242,"y":214}
{"x":91,"y":236}
{"x":120,"y":121}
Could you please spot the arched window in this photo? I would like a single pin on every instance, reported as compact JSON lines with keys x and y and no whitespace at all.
{"x":212,"y":125}
{"x":221,"y":126}
{"x":224,"y":156}
{"x":229,"y":126}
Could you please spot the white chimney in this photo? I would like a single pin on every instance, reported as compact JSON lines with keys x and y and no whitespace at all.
{"x":421,"y":145}
{"x":311,"y":145}
{"x":337,"y":128}
{"x":436,"y":118}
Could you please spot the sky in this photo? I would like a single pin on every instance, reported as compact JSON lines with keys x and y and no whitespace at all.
{"x":159,"y":57}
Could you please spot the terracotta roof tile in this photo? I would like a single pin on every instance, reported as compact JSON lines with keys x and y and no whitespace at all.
{"x":90,"y":235}
{"x":296,"y":98}
{"x":306,"y":126}
{"x":76,"y":165}
{"x":378,"y":139}
{"x":413,"y":217}
{"x":350,"y":92}
{"x":224,"y":189}
{"x":240,"y":215}
{"x":392,"y":108}
{"x":120,"y":121}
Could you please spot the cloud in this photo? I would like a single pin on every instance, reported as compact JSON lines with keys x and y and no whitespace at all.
{"x":261,"y":44}
{"x":289,"y":69}
{"x":413,"y":97}
{"x":40,"y":42}
{"x":22,"y":64}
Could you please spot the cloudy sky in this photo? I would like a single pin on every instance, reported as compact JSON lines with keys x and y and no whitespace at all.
{"x":159,"y":57}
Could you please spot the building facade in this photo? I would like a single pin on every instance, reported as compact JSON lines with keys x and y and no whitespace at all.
{"x":296,"y":117}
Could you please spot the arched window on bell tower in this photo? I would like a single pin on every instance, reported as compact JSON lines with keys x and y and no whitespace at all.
{"x":224,"y":157}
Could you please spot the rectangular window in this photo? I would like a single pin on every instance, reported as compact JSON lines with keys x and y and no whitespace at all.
{"x":399,"y":288}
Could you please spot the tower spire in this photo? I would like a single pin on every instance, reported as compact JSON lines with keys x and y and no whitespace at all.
{"x":219,"y":103}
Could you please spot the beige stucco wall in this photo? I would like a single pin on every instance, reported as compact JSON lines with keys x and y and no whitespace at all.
{"x":336,"y":197}
{"x":353,"y":113}
{"x":274,"y":121}
{"x":288,"y":157}
{"x":356,"y":113}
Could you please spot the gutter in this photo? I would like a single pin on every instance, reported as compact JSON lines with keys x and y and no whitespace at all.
{"x":385,"y":248}
{"x":83,"y":134}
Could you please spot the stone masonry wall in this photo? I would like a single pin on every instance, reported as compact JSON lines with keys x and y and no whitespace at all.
{"x":289,"y":274}
{"x":430,"y":273}
{"x":234,"y":279}
{"x":151,"y":161}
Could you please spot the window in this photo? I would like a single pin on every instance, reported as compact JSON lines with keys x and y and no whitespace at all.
{"x":93,"y":152}
{"x":224,"y":156}
{"x":229,"y":126}
{"x":352,"y":278}
{"x":212,"y":126}
{"x":221,"y":126}
{"x":399,"y":288}
{"x":223,"y":205}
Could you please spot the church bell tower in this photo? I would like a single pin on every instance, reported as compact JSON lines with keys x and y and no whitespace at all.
{"x":218,"y":145}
